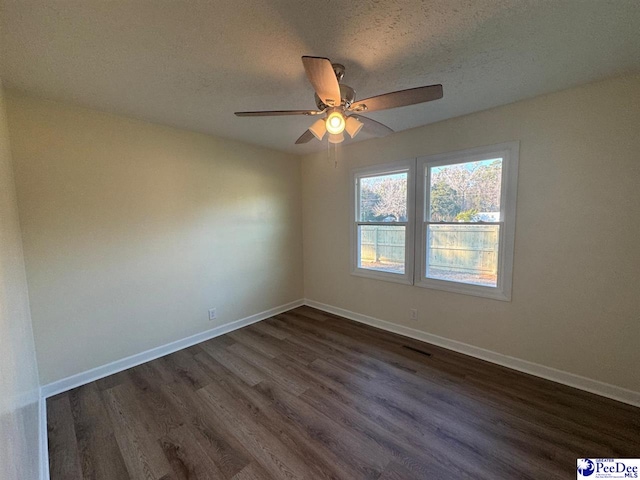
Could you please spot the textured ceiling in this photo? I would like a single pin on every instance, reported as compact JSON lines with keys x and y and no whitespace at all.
{"x":191,"y":64}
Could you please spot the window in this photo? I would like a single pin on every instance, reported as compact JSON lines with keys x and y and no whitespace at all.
{"x":467,"y":211}
{"x":464,"y":224}
{"x":383,"y":228}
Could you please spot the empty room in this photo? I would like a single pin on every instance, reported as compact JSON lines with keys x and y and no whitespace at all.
{"x":319,"y":240}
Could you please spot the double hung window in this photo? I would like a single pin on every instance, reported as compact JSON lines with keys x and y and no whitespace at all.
{"x":450,"y":228}
{"x":383,"y":226}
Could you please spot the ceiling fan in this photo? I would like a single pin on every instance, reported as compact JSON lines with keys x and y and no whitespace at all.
{"x":337,"y":103}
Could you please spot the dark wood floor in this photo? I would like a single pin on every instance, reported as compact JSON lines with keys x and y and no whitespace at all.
{"x":310,"y":395}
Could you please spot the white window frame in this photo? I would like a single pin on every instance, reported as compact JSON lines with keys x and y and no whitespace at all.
{"x":508,"y":194}
{"x":402,"y":166}
{"x":416,"y":224}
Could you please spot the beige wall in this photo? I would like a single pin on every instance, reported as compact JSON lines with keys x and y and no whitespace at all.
{"x":132,"y":231}
{"x":18,"y":371}
{"x":576,"y":285}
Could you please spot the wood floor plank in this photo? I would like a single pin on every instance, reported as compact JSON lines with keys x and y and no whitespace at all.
{"x":255,"y":340}
{"x":221,"y":446}
{"x":140,"y":449}
{"x":310,"y":395}
{"x":457,"y":436}
{"x":220,"y":342}
{"x":264,"y":446}
{"x":252,"y":472}
{"x":64,"y":459}
{"x":271,"y":370}
{"x":434,"y":459}
{"x":269,"y":329}
{"x":112,"y":380}
{"x":100,"y":455}
{"x":320,"y":461}
{"x":187,"y":456}
{"x":395,"y":471}
{"x":368,"y":457}
{"x":441,"y":404}
{"x":395,"y":418}
{"x":324,"y":343}
{"x":406,"y":450}
{"x":156,"y":410}
{"x":285,"y":347}
{"x":186,"y":369}
{"x":312,"y":313}
{"x":240,"y":367}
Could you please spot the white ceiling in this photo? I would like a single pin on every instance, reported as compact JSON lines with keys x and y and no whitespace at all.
{"x":191,"y":64}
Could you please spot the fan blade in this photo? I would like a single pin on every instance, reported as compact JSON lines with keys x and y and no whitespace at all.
{"x":400,"y":98}
{"x":375,"y":128}
{"x":323,"y":79}
{"x":305,"y":137}
{"x":278,"y":112}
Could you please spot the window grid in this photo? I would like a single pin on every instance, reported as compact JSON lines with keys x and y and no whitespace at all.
{"x":417,"y":247}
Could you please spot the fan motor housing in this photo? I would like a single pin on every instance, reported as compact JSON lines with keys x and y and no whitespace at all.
{"x":347,"y":94}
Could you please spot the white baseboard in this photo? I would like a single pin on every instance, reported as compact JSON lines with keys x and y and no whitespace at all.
{"x":593,"y":386}
{"x":97,"y":373}
{"x":43,"y":447}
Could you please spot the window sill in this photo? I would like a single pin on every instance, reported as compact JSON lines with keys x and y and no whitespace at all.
{"x":386,"y":277}
{"x":465,"y":289}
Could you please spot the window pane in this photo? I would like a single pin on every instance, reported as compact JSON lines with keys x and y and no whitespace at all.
{"x":383,"y":198}
{"x":466,"y":192}
{"x":381,"y":248}
{"x":463,"y":253}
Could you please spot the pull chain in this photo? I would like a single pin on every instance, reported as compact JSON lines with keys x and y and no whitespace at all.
{"x":335,"y":153}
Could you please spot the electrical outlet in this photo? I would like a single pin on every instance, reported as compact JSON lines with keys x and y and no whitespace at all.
{"x":212,"y":314}
{"x":413,"y":314}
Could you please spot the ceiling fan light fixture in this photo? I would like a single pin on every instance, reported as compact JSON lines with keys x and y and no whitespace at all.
{"x":353,"y":126}
{"x":336,"y":137}
{"x":337,"y":101}
{"x":335,"y":123}
{"x":318,"y":129}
